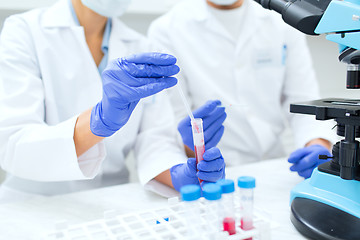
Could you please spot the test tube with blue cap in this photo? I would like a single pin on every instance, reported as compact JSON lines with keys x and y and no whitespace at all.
{"x":246,"y":185}
{"x":190,"y":194}
{"x":227,"y":199}
{"x":213,"y":209}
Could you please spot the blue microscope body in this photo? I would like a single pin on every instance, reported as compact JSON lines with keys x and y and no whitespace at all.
{"x":327,"y":205}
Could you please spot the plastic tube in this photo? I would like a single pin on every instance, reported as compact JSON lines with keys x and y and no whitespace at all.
{"x":186,"y":104}
{"x":190,"y":194}
{"x":227,"y":202}
{"x":213,"y":209}
{"x":246,"y":185}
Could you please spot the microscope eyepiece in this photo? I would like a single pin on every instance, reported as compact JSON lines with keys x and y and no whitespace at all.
{"x":276,"y":5}
{"x":303,"y":15}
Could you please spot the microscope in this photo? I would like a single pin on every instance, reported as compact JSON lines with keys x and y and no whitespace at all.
{"x":327,"y":205}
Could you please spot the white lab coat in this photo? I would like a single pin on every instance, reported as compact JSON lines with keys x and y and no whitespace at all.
{"x":49,"y":78}
{"x":259,"y":74}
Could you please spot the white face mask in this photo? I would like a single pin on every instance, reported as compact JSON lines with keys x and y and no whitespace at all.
{"x":108,"y":8}
{"x":224,"y":2}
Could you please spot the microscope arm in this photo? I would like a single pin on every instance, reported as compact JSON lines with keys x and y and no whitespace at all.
{"x":340,"y":20}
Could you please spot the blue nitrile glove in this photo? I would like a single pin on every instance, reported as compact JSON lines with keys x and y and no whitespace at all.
{"x":307,"y":158}
{"x":127,"y":80}
{"x":211,"y":169}
{"x":213,"y":118}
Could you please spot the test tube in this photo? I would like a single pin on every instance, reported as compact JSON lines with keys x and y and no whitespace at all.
{"x":246,"y":185}
{"x":227,"y":199}
{"x":212,"y":194}
{"x":198,"y":138}
{"x":190,"y":194}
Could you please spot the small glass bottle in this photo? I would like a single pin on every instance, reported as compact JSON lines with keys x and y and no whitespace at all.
{"x":227,"y":200}
{"x":191,"y":194}
{"x":212,"y":194}
{"x":246,"y":185}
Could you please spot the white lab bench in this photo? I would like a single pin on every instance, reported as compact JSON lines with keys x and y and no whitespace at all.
{"x":32,"y":218}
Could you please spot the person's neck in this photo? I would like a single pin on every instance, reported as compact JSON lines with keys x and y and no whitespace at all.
{"x":93,"y":23}
{"x":237,"y":4}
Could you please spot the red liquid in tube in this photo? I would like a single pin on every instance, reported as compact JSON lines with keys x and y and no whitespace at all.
{"x":246,"y":225}
{"x":229,"y":225}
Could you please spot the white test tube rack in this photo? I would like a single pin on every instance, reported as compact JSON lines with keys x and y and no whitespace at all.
{"x":162,"y":223}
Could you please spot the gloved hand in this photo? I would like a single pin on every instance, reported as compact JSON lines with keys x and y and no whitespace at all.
{"x":307,"y":158}
{"x":211,"y":169}
{"x":213,"y":118}
{"x":127,"y":80}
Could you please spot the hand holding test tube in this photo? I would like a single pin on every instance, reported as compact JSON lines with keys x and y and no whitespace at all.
{"x":209,"y":166}
{"x":210,"y":169}
{"x":213,"y":116}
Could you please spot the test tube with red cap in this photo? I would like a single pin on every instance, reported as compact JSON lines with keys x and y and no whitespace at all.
{"x":198,"y":138}
{"x":227,"y":199}
{"x":246,"y":185}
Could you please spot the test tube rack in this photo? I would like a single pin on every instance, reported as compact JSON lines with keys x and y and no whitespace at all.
{"x":163,"y":223}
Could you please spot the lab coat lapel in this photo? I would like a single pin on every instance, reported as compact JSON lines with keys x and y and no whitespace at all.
{"x":211,"y":23}
{"x":59,"y":16}
{"x":250,"y":26}
{"x":58,"y":21}
{"x":215,"y":26}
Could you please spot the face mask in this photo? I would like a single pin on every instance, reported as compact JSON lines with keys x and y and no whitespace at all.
{"x":223,"y":2}
{"x":107,"y":8}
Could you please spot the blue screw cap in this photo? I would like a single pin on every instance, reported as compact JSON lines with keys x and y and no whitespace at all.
{"x":190,"y":192}
{"x":227,"y":185}
{"x":246,"y":182}
{"x":212,"y":191}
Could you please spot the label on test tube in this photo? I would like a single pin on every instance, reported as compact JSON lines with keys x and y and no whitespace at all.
{"x":198,"y":138}
{"x":199,"y":152}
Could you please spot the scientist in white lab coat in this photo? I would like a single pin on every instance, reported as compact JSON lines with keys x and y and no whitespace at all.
{"x":247,"y":57}
{"x":57,"y":109}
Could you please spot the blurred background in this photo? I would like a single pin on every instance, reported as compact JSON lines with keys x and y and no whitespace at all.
{"x":331,"y":74}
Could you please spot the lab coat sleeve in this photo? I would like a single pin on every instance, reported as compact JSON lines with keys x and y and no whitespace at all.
{"x":159,"y":34}
{"x":156,"y":148}
{"x":29,"y":147}
{"x":301,"y":85}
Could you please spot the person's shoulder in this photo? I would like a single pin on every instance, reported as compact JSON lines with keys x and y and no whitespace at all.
{"x":25,"y":18}
{"x":125,"y":32}
{"x":272,"y":20}
{"x":183,"y":12}
{"x":186,"y":7}
{"x":130,"y":36}
{"x":268,"y":17}
{"x":22,"y":23}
